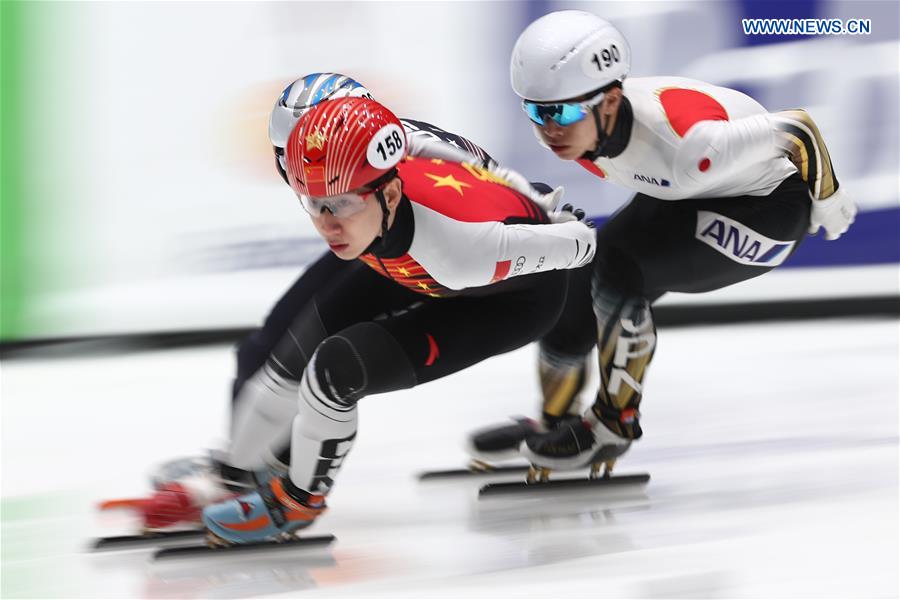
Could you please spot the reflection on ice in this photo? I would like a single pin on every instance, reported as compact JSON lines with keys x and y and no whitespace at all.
{"x":774,"y":474}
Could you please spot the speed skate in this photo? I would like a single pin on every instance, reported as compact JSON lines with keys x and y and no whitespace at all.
{"x":186,"y":537}
{"x":537,"y":479}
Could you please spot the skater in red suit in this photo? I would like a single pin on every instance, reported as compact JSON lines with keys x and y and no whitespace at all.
{"x":185,"y":485}
{"x":451,"y":266}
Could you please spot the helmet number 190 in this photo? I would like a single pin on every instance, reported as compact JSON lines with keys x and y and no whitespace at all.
{"x":606,"y":58}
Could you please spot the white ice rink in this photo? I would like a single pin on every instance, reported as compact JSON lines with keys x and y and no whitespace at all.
{"x":773,"y":451}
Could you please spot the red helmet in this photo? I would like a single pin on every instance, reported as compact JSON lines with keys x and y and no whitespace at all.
{"x":343,"y":145}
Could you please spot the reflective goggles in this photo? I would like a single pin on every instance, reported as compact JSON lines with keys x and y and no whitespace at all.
{"x":563,"y":113}
{"x":341,"y":206}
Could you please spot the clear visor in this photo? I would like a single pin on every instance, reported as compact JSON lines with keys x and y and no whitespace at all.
{"x":341,"y":206}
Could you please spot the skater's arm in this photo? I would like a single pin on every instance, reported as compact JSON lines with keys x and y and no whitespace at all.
{"x":463,"y":254}
{"x":712,"y":151}
{"x":799,"y":138}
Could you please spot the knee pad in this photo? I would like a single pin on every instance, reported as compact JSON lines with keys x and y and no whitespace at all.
{"x":251,"y":354}
{"x":360,"y":360}
{"x":294,"y":350}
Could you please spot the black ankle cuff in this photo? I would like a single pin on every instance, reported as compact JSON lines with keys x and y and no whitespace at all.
{"x":301,"y":496}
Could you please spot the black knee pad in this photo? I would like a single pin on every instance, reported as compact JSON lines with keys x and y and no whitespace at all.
{"x":296,"y":347}
{"x":361,"y":360}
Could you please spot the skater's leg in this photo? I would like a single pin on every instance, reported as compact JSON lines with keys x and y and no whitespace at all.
{"x":564,"y":351}
{"x":254,"y":350}
{"x":563,"y":355}
{"x":429,"y":342}
{"x":433,"y":340}
{"x":268,"y":401}
{"x":649,"y":248}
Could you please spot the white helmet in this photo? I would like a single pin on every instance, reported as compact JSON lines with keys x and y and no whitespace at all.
{"x":305,"y":93}
{"x":567,"y":54}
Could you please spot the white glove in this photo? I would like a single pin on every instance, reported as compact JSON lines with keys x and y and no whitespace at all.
{"x":835,"y":213}
{"x":567,"y":213}
{"x":585,"y":233}
{"x":549,"y":201}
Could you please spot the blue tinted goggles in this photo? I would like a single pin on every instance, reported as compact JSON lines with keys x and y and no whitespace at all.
{"x":562,"y":113}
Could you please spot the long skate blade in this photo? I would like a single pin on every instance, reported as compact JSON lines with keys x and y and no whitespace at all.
{"x":122,"y":542}
{"x":453,"y":473}
{"x":198,"y":550}
{"x":522,"y":487}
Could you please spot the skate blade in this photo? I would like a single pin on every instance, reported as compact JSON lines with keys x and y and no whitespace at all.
{"x":524,"y":487}
{"x":212,"y":549}
{"x":124,"y":542}
{"x":481,"y":470}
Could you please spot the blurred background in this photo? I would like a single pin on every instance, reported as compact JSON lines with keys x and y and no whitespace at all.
{"x":140,"y":204}
{"x":139,"y":193}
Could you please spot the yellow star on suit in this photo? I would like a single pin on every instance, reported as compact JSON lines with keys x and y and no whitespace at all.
{"x":448,"y":181}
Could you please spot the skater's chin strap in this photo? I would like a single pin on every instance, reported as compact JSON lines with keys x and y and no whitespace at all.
{"x":378,"y":185}
{"x":615,"y":143}
{"x":384,"y":216}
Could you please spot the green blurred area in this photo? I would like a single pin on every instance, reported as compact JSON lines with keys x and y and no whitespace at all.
{"x":12,"y":184}
{"x":45,"y":90}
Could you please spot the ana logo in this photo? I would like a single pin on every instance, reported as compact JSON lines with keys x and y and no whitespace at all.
{"x":652,"y":180}
{"x":740,"y":243}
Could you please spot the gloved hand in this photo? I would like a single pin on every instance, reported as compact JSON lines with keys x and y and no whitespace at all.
{"x":550,"y":201}
{"x":568,"y":213}
{"x":582,"y":232}
{"x":835,"y":213}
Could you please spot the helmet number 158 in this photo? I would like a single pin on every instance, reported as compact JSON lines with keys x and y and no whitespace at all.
{"x":606,"y":58}
{"x":393,"y":142}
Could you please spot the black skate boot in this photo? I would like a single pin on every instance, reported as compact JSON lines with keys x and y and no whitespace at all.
{"x":503,"y":442}
{"x":577,"y":444}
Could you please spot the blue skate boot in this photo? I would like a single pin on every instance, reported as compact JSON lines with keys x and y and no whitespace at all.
{"x":272,"y":513}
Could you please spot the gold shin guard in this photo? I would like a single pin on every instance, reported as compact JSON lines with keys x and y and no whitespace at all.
{"x":562,"y":379}
{"x":627,"y":340}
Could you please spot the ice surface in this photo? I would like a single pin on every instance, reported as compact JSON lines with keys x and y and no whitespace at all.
{"x":773,"y":451}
